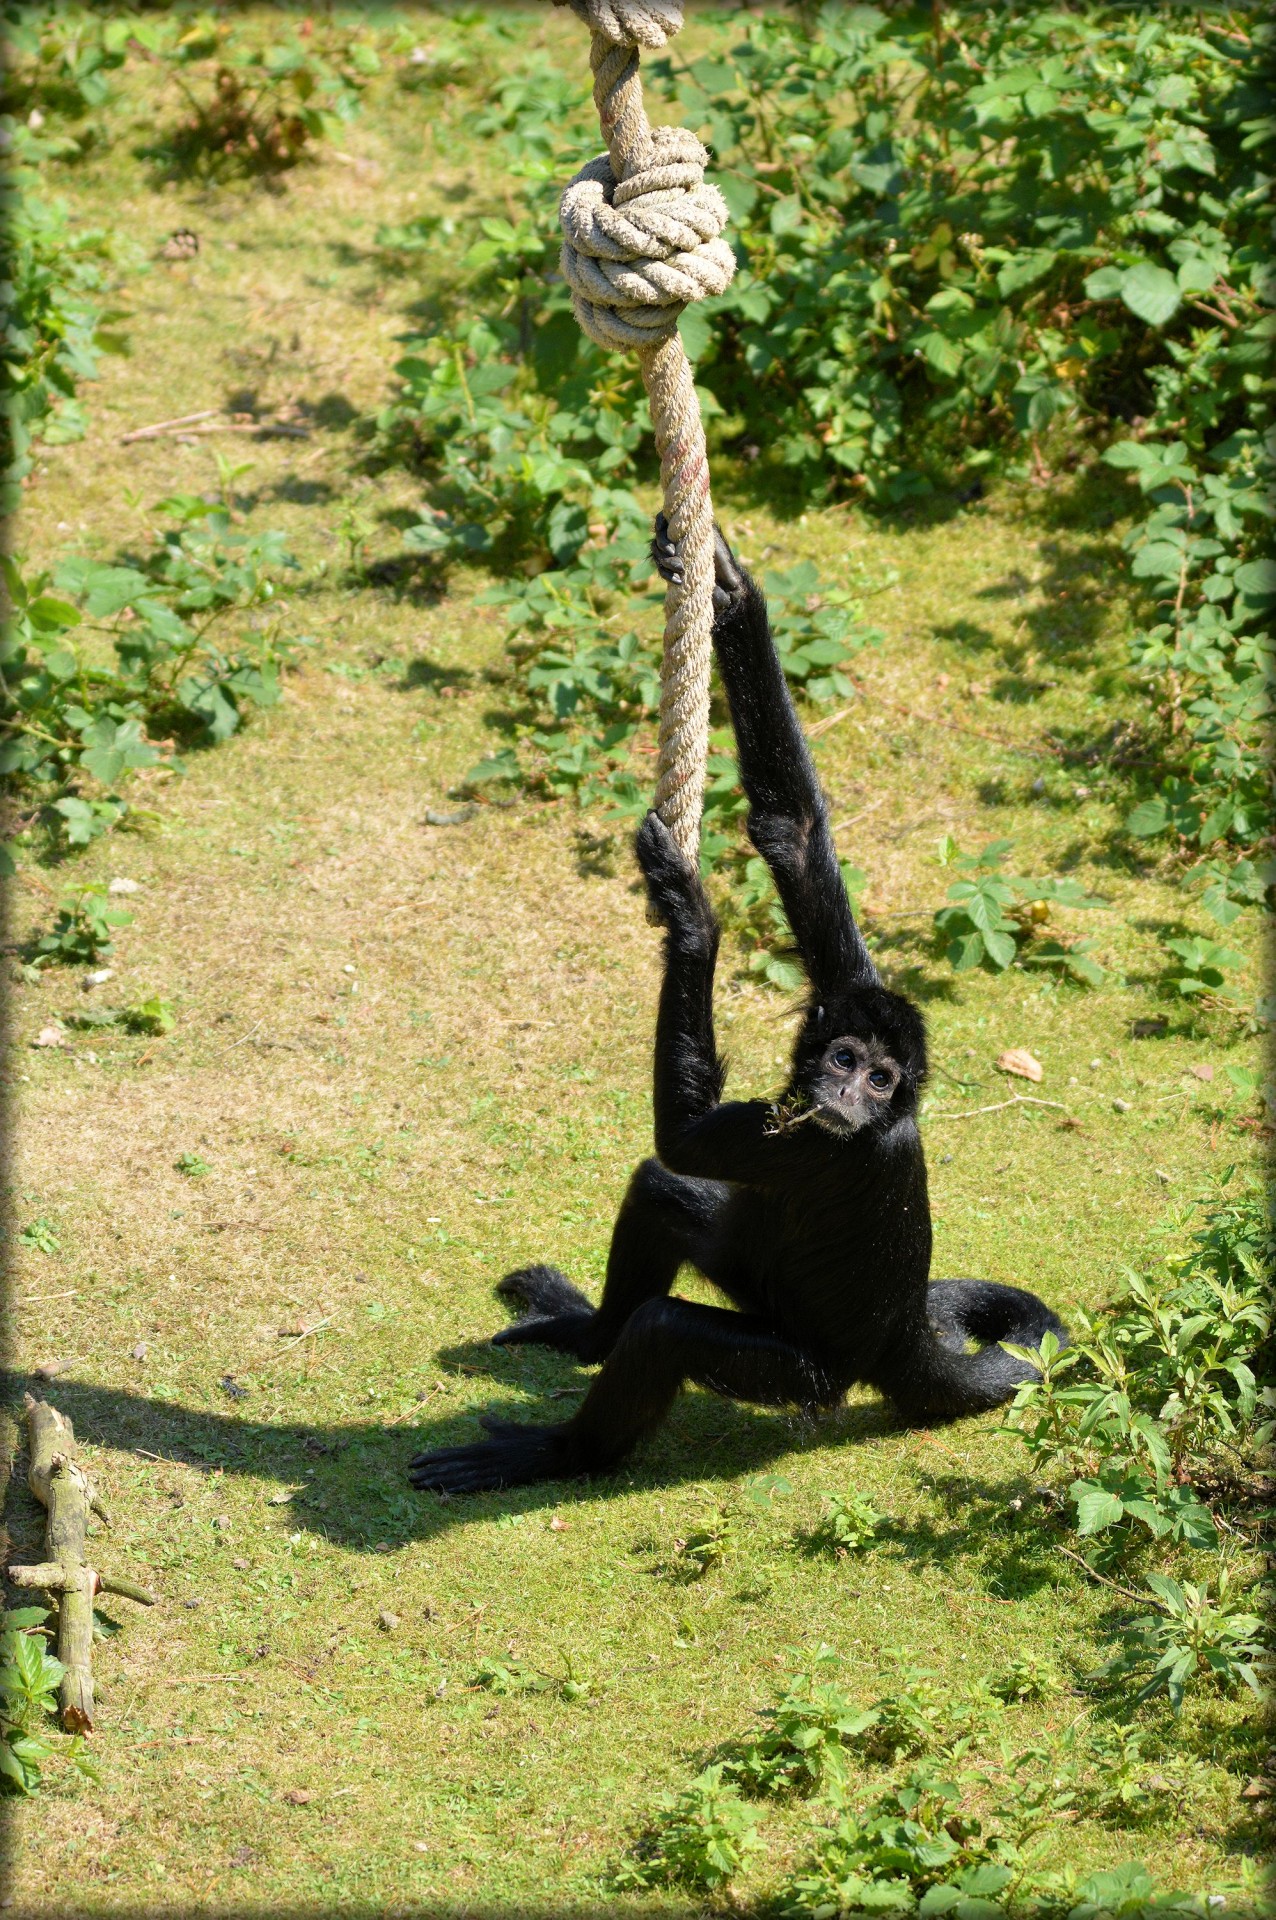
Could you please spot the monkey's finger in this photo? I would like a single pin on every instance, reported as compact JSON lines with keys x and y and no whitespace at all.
{"x":726,"y":572}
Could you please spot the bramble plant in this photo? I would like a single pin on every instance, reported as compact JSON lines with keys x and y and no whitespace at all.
{"x":83,"y":932}
{"x":999,"y":918}
{"x":77,"y":724}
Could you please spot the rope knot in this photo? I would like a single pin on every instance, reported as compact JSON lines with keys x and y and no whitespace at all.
{"x":633,"y":23}
{"x":639,"y":250}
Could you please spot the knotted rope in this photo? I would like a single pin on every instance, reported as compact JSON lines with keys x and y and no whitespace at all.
{"x":641,"y":240}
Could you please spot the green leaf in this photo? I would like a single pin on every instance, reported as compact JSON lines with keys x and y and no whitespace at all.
{"x":1096,"y":1507}
{"x":1148,"y":818}
{"x":1151,"y":293}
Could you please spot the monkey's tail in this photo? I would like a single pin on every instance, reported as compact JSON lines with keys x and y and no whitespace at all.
{"x":942,"y":1380}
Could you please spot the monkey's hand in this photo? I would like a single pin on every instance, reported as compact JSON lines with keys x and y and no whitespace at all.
{"x":677,"y":896}
{"x":729,"y":577}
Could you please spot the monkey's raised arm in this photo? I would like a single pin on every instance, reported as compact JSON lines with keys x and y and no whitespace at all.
{"x":695,"y":1132}
{"x":788,"y":819}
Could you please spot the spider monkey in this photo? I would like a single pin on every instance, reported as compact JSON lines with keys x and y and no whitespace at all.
{"x":811,"y":1213}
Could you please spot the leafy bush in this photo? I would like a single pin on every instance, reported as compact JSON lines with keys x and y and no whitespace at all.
{"x":258,"y":109}
{"x":913,"y":1850}
{"x":149,"y":658}
{"x":56,"y":327}
{"x":952,"y":246}
{"x":1159,"y":1394}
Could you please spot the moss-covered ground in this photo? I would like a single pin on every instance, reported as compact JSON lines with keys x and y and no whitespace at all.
{"x":414,"y":1056}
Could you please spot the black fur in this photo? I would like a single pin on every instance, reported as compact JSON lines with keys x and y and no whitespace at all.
{"x":811,"y":1215}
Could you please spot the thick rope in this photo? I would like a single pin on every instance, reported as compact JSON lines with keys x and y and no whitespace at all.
{"x":641,"y":240}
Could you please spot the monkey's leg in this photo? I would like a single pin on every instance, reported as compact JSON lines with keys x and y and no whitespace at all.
{"x":664,"y":1343}
{"x":665,"y":1221}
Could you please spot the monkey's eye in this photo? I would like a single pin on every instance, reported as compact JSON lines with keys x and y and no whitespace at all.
{"x":844,"y":1058}
{"x":880,"y":1079}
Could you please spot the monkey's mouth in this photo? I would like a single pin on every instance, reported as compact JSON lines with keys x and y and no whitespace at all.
{"x":838,"y":1116}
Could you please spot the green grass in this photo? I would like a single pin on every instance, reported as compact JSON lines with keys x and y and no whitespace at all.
{"x":415,"y":1056}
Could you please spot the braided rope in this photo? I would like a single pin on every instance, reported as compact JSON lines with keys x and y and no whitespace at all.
{"x":641,"y":239}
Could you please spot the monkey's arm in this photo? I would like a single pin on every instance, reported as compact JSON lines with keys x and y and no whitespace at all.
{"x":788,"y":820}
{"x":695,"y":1132}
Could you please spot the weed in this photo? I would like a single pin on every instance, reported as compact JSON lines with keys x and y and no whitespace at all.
{"x":851,"y":1522}
{"x":1197,"y":1634}
{"x":41,"y":1236}
{"x":1028,"y":1677}
{"x":804,"y":1745}
{"x":192,"y":1164}
{"x":702,"y":1838}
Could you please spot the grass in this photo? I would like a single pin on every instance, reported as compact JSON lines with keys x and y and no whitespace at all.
{"x":413,"y":1056}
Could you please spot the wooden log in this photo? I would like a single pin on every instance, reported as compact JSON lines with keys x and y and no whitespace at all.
{"x":61,"y":1485}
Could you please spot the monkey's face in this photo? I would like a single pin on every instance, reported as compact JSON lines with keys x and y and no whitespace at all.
{"x":854,"y":1085}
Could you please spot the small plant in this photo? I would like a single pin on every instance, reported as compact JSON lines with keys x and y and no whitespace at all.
{"x":803,"y":1748}
{"x":508,"y":1677}
{"x":1195,"y":1635}
{"x":41,"y":1236}
{"x":29,"y":1679}
{"x":84,"y":931}
{"x":702,"y":1550}
{"x":1027,"y":1677}
{"x":851,"y":1522}
{"x":1199,"y":972}
{"x":907,"y":1720}
{"x":152,"y":1016}
{"x":702,"y":1838}
{"x":192,"y":1165}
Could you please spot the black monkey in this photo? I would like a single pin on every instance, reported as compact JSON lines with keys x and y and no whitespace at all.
{"x":810,"y":1214}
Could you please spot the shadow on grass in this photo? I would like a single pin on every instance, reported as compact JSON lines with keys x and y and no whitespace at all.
{"x":356,"y":1491}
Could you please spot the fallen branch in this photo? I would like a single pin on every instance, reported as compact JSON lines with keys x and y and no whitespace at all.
{"x":167,"y":426}
{"x":61,"y":1485}
{"x":1015,"y":1100}
{"x":1139,"y":1599}
{"x":193,"y":425}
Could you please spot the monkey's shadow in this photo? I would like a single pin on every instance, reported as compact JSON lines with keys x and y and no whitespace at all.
{"x":351,"y":1477}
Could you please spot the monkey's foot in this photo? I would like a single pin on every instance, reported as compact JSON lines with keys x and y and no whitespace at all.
{"x":667,"y":554}
{"x":515,"y":1456}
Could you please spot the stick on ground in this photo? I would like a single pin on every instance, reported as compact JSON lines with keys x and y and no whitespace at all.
{"x":61,"y":1485}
